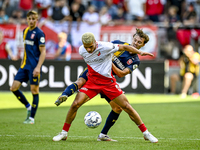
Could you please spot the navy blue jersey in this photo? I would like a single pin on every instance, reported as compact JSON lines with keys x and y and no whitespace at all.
{"x":32,"y":40}
{"x":123,"y":59}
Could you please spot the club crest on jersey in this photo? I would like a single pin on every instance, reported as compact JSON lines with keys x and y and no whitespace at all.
{"x":32,"y":35}
{"x":129,"y":61}
{"x":98,"y":53}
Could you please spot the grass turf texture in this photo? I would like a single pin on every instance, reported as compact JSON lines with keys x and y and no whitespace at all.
{"x":174,"y":121}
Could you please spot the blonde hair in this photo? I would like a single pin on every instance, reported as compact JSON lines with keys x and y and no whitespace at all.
{"x":32,"y":12}
{"x":88,"y":38}
{"x":62,"y":35}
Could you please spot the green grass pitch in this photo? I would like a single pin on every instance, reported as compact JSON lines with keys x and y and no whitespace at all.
{"x":174,"y":121}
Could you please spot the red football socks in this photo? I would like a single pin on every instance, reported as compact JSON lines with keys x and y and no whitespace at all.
{"x":66,"y":127}
{"x":142,"y":127}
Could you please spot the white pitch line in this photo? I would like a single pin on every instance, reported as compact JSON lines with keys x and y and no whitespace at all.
{"x":174,"y":139}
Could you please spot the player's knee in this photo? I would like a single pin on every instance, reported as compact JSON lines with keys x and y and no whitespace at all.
{"x":13,"y":88}
{"x":117,"y":109}
{"x":75,"y":105}
{"x":34,"y":91}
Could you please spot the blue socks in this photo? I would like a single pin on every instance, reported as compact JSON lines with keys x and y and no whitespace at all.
{"x":20,"y":96}
{"x":34,"y":105}
{"x":70,"y":89}
{"x":111,"y":119}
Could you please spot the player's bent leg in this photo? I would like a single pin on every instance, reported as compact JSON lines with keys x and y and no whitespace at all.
{"x":70,"y":91}
{"x":35,"y":93}
{"x":110,"y":121}
{"x":20,"y":96}
{"x":115,"y":107}
{"x":123,"y":102}
{"x":80,"y":99}
{"x":15,"y":86}
{"x":125,"y":105}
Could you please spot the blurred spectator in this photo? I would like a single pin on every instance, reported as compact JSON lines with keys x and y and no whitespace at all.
{"x":112,"y":9}
{"x":173,"y":22}
{"x":63,"y":48}
{"x":190,"y":16}
{"x":8,"y":7}
{"x":120,"y":17}
{"x":69,"y":2}
{"x":104,"y":16}
{"x":135,"y":9}
{"x":77,"y":10}
{"x":59,"y":12}
{"x":25,"y":6}
{"x":86,"y":3}
{"x":43,"y":6}
{"x":171,"y":50}
{"x":154,"y":8}
{"x":180,"y":4}
{"x":119,"y":3}
{"x":17,"y":17}
{"x":189,"y":70}
{"x":5,"y":50}
{"x":98,"y":4}
{"x":3,"y":17}
{"x":91,"y":17}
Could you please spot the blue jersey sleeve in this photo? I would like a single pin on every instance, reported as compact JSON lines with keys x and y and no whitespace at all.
{"x":41,"y":38}
{"x":117,"y":42}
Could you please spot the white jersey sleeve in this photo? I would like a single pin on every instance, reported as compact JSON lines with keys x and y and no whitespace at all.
{"x":101,"y":59}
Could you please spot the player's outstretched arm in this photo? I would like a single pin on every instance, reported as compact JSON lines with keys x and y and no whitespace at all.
{"x":133,"y":50}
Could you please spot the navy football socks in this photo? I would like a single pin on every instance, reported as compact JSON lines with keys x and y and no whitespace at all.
{"x":20,"y":96}
{"x":111,"y":119}
{"x":34,"y":105}
{"x":70,"y":89}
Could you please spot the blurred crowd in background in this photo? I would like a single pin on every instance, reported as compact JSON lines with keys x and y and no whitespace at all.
{"x":166,"y":14}
{"x":108,"y":12}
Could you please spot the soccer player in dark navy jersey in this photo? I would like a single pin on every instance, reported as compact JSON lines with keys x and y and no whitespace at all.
{"x":30,"y":69}
{"x":123,"y":63}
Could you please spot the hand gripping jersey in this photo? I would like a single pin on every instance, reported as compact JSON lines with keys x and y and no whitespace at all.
{"x":32,"y":40}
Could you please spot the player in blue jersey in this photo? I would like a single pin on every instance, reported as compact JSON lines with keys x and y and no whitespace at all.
{"x":123,"y":63}
{"x":30,"y":69}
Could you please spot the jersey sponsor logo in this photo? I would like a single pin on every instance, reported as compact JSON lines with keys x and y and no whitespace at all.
{"x":32,"y":36}
{"x":42,"y":39}
{"x":94,"y":60}
{"x":28,"y":42}
{"x":130,"y":61}
{"x":117,"y":86}
{"x":85,"y":89}
{"x":118,"y":62}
